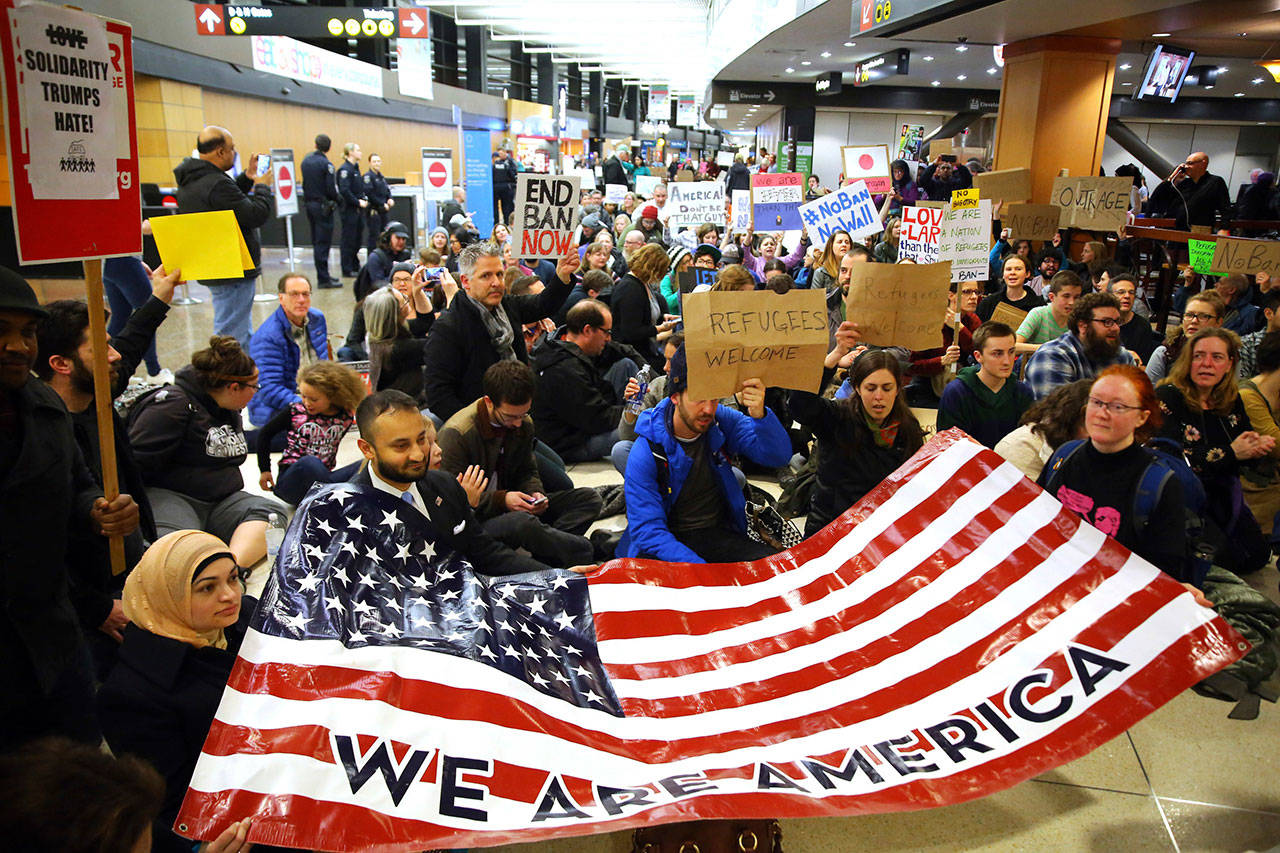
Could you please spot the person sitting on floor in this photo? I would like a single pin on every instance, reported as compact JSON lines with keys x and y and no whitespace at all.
{"x":293,"y":336}
{"x":984,"y":401}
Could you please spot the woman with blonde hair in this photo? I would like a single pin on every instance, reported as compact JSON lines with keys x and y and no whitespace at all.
{"x":826,"y":268}
{"x":734,"y":278}
{"x":886,"y":251}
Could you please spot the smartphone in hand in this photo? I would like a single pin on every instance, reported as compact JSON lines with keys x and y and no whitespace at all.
{"x":264,"y":164}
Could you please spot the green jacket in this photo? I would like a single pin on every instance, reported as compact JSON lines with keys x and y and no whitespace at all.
{"x":988,"y":417}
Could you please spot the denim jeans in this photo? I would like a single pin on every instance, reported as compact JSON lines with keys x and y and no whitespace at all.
{"x":233,"y":309}
{"x":128,"y":286}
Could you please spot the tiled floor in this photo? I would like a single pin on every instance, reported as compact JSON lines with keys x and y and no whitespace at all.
{"x":1185,"y":778}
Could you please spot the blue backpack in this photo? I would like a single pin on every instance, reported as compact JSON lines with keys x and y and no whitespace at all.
{"x":1168,"y":463}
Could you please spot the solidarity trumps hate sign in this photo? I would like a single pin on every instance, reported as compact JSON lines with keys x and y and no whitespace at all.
{"x":546,"y":214}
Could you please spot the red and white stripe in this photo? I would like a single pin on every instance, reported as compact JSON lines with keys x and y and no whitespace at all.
{"x":949,"y":583}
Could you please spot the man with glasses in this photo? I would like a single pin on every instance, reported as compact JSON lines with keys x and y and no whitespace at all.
{"x":1090,"y":345}
{"x":1192,"y":195}
{"x":582,"y":375}
{"x":294,"y":336}
{"x":1135,"y":330}
{"x":489,"y":447}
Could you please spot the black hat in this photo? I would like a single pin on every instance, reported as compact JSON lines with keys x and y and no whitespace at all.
{"x":394,"y":227}
{"x":678,"y":375}
{"x":17,"y":295}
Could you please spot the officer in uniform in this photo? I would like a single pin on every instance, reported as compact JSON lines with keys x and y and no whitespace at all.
{"x":504,"y":185}
{"x":353,"y":205}
{"x":321,"y":195}
{"x":379,"y":196}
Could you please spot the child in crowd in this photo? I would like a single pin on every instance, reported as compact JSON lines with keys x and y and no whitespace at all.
{"x":330,"y":393}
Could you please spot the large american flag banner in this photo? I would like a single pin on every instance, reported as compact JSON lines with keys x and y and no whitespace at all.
{"x":952,"y":635}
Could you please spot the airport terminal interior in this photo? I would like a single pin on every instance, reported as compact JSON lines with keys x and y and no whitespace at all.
{"x":689,"y":88}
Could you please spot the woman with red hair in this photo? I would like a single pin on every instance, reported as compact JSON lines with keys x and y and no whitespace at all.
{"x":1099,"y":477}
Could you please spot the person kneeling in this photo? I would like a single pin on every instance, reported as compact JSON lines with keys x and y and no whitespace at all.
{"x":683,"y":503}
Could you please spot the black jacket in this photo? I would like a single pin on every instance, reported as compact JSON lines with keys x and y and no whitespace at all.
{"x":455,"y":526}
{"x":459,"y":349}
{"x":938,"y":190}
{"x":573,"y":401}
{"x":504,"y":173}
{"x":633,"y":319}
{"x":350,"y":186}
{"x":158,"y":703}
{"x":203,"y":187}
{"x":187,"y":443}
{"x":739,"y":177}
{"x":1203,"y":203}
{"x":318,"y":183}
{"x":45,"y":492}
{"x":614,"y":172}
{"x":377,"y":191}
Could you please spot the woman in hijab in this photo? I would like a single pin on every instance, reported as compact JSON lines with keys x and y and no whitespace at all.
{"x":183,"y":601}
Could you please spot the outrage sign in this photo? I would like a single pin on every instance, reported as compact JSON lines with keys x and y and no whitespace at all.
{"x":921,"y":230}
{"x":546,"y":214}
{"x":780,"y":339}
{"x":776,"y":200}
{"x":849,"y":208}
{"x":1095,"y":204}
{"x":692,"y":204}
{"x":903,"y":305}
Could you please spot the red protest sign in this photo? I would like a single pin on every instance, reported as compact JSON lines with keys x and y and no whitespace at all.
{"x":70,"y":130}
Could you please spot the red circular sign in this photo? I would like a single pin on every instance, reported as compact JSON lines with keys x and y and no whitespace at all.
{"x":865,"y":162}
{"x":436,"y":174}
{"x":284,"y":181}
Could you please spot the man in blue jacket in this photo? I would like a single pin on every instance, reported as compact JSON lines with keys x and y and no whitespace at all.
{"x":291,"y":337}
{"x":683,"y":503}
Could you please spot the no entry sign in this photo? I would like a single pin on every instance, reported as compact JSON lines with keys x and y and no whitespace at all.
{"x":285,"y":183}
{"x":437,"y":174}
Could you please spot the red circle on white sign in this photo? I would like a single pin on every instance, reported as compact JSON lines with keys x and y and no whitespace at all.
{"x":284,"y":181}
{"x":436,"y":174}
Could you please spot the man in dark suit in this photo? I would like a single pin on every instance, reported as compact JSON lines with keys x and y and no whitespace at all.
{"x":395,"y":438}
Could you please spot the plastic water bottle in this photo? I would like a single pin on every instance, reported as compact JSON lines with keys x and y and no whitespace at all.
{"x":275,"y":535}
{"x":635,"y":403}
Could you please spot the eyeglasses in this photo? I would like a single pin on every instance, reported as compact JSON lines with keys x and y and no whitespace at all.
{"x":608,"y":333}
{"x":1113,"y":408}
{"x":254,"y":385}
{"x":1197,"y":315}
{"x":1107,"y":322}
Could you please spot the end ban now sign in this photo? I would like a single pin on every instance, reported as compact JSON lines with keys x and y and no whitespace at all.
{"x":546,"y":215}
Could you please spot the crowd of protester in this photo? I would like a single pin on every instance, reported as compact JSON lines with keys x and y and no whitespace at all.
{"x":489,"y":375}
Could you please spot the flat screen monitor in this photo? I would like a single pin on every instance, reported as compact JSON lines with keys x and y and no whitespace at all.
{"x":1166,"y":70}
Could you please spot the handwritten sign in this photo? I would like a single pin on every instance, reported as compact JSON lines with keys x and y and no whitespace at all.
{"x":780,"y":339}
{"x":1095,"y":204}
{"x":1007,"y":185}
{"x":741,"y":207}
{"x":614,"y":193}
{"x":694,"y":204}
{"x":776,"y":200}
{"x":546,"y":214}
{"x":1236,"y":254}
{"x":966,"y":241}
{"x":1010,"y":315}
{"x":1201,"y":252}
{"x":964,"y":199}
{"x":921,"y":230}
{"x":869,"y":163}
{"x":1031,"y":221}
{"x":849,"y":208}
{"x":899,"y":304}
{"x":646,"y":184}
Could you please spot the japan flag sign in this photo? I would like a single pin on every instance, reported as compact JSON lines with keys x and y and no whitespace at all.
{"x":868,"y":163}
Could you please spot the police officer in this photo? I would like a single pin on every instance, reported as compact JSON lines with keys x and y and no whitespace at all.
{"x":321,"y":195}
{"x":379,"y":196}
{"x":352,"y":207}
{"x":504,"y":186}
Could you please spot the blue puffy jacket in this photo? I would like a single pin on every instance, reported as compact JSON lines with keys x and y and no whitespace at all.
{"x":764,"y":441}
{"x":278,"y":359}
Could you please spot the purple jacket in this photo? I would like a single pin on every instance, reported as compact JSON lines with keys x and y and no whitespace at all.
{"x":756,"y":265}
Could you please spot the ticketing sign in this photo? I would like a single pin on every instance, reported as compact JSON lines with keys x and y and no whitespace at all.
{"x":218,"y":19}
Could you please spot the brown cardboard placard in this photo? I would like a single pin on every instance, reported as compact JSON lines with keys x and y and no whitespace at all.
{"x":936,"y":205}
{"x":1008,"y":314}
{"x":1240,"y":255}
{"x":900,"y":304}
{"x":1031,"y":221}
{"x":684,"y":176}
{"x":940,"y":146}
{"x":1095,"y":204}
{"x":731,"y":336}
{"x":1007,"y":185}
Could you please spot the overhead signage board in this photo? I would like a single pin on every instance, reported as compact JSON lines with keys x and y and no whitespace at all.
{"x":882,"y":67}
{"x":218,"y":19}
{"x":883,"y":18}
{"x":744,"y":95}
{"x":829,"y":83}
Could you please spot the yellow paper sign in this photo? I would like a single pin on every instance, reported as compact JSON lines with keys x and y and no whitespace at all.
{"x":204,"y":246}
{"x":964,"y":199}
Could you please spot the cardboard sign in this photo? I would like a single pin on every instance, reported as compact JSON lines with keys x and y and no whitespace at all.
{"x":869,"y":163}
{"x":1031,"y":221}
{"x":1201,"y":252}
{"x":940,"y":146}
{"x":901,"y":305}
{"x":849,"y":208}
{"x":966,"y":241}
{"x":776,"y":200}
{"x":546,"y":214}
{"x":1008,"y":314}
{"x":921,"y":230}
{"x":684,"y":176}
{"x":1236,"y":254}
{"x":1095,"y":204}
{"x":614,"y":193}
{"x":964,"y":199}
{"x":936,"y":205}
{"x":1006,"y":185}
{"x":741,"y":207}
{"x":203,"y":245}
{"x":73,"y":170}
{"x":646,"y":184}
{"x":694,"y":204}
{"x":730,"y":336}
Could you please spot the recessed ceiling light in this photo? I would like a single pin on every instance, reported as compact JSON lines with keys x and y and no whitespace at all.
{"x":1257,"y":81}
{"x":1125,"y":67}
{"x":962,"y":77}
{"x":991,"y":70}
{"x":851,"y":44}
{"x":928,"y":59}
{"x":961,"y":48}
{"x":1127,"y":83}
{"x":1238,"y":95}
{"x":936,"y":83}
{"x":1161,"y":35}
{"x":826,"y":54}
{"x":790,"y":70}
{"x":1222,"y":69}
{"x":805,"y":62}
